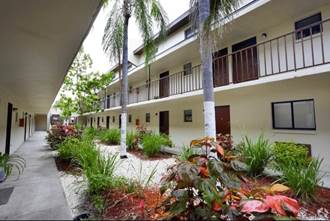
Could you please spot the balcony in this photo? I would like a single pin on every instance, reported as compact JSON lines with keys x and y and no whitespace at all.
{"x":249,"y":61}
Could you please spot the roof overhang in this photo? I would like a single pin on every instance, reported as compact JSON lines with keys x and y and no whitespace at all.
{"x":38,"y":42}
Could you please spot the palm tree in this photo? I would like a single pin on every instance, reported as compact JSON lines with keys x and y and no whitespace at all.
{"x":146,"y":14}
{"x":207,"y":14}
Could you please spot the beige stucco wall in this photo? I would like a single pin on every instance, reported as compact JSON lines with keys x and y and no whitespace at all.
{"x":250,"y":110}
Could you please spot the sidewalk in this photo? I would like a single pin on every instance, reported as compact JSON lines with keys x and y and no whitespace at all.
{"x":38,"y":193}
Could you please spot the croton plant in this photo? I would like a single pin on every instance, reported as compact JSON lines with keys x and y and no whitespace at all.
{"x":208,"y":186}
{"x":59,"y":132}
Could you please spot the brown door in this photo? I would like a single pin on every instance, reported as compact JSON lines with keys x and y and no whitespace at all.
{"x":164,"y":85}
{"x":220,"y":68}
{"x":164,"y":124}
{"x":245,"y":61}
{"x":222,"y":119}
{"x":98,"y":122}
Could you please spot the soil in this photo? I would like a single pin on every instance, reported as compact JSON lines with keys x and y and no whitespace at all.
{"x":159,"y":156}
{"x":128,"y":206}
{"x":67,"y":167}
{"x":322,"y":200}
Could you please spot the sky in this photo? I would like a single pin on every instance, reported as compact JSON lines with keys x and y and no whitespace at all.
{"x":93,"y":46}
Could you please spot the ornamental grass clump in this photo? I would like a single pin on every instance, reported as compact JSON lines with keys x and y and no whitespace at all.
{"x":303,"y":180}
{"x":256,"y":154}
{"x":152,"y":143}
{"x":110,"y":137}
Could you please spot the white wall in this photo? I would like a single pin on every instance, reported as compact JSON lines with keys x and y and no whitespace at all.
{"x":17,"y":133}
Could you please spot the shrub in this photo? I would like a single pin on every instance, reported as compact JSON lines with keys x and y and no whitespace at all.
{"x":58,"y":133}
{"x":226,"y":141}
{"x":152,"y":144}
{"x":110,"y":137}
{"x":131,"y":140}
{"x":290,"y":154}
{"x":256,"y":155}
{"x":8,"y":162}
{"x":166,"y":140}
{"x":302,"y":179}
{"x":90,"y":132}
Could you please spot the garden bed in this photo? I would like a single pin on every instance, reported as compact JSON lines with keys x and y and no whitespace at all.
{"x":158,"y":156}
{"x":67,"y":167}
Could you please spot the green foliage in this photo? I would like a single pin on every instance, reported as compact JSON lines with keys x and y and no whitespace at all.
{"x":256,"y":155}
{"x":58,"y":133}
{"x":166,"y":140}
{"x":302,"y":179}
{"x":81,"y":88}
{"x":290,"y":154}
{"x":131,"y":140}
{"x":110,"y":137}
{"x":90,"y":132}
{"x":152,"y":143}
{"x":8,"y":162}
{"x":186,"y":153}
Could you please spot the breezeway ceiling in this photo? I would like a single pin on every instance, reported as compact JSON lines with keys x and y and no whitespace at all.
{"x":38,"y":42}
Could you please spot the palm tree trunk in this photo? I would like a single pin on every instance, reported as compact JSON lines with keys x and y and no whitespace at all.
{"x":124,"y":89}
{"x":206,"y":59}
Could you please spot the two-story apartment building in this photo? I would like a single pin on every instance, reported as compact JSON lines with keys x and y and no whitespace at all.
{"x":271,"y":76}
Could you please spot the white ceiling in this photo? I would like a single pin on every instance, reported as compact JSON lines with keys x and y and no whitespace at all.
{"x":38,"y":41}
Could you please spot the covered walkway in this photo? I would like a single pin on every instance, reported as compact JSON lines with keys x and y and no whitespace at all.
{"x":38,"y":193}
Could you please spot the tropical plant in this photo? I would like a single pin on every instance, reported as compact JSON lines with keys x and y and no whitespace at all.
{"x":152,"y":144}
{"x":90,"y":132}
{"x":110,"y":137}
{"x":290,"y":154}
{"x":226,"y":141}
{"x":207,"y":188}
{"x":146,"y":13}
{"x":302,"y":179}
{"x":204,"y":14}
{"x":8,"y":162}
{"x":256,"y":154}
{"x":58,"y":133}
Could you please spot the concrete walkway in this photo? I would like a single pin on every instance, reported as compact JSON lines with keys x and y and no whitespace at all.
{"x":38,"y":193}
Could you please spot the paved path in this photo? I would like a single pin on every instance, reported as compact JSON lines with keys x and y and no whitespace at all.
{"x":38,"y":193}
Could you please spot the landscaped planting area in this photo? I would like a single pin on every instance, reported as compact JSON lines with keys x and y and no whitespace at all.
{"x":211,"y":179}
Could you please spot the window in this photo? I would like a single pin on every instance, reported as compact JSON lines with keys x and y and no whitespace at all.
{"x":147,"y":117}
{"x":187,"y":115}
{"x":296,"y":115}
{"x":188,"y":33}
{"x":130,"y":118}
{"x":187,"y":69}
{"x":308,"y":26}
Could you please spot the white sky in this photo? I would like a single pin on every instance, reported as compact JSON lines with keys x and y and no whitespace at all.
{"x":92,"y":44}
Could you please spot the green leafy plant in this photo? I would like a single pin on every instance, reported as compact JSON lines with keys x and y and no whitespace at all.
{"x":186,"y":153}
{"x":110,"y":137}
{"x":256,"y":154}
{"x":8,"y":162}
{"x":58,"y":133}
{"x":131,"y":140}
{"x":302,"y":179}
{"x":166,"y":140}
{"x":90,"y":132}
{"x":290,"y":154}
{"x":152,"y":143}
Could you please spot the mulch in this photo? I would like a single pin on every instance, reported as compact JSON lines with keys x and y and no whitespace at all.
{"x":137,"y":206}
{"x":159,"y":156}
{"x":67,"y":167}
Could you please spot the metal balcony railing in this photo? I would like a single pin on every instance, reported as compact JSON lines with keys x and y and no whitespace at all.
{"x":303,"y":48}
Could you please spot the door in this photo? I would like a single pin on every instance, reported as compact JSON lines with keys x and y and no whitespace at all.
{"x":108,"y":122}
{"x":41,"y":122}
{"x":164,"y":124}
{"x":29,"y":125}
{"x":98,"y":122}
{"x":245,"y":60}
{"x":8,"y":128}
{"x":91,"y":122}
{"x":164,"y":84}
{"x":220,"y":68}
{"x":25,"y":126}
{"x":222,"y":119}
{"x":119,"y":120}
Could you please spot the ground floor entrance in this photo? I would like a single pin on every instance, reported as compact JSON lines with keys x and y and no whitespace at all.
{"x":222,"y":119}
